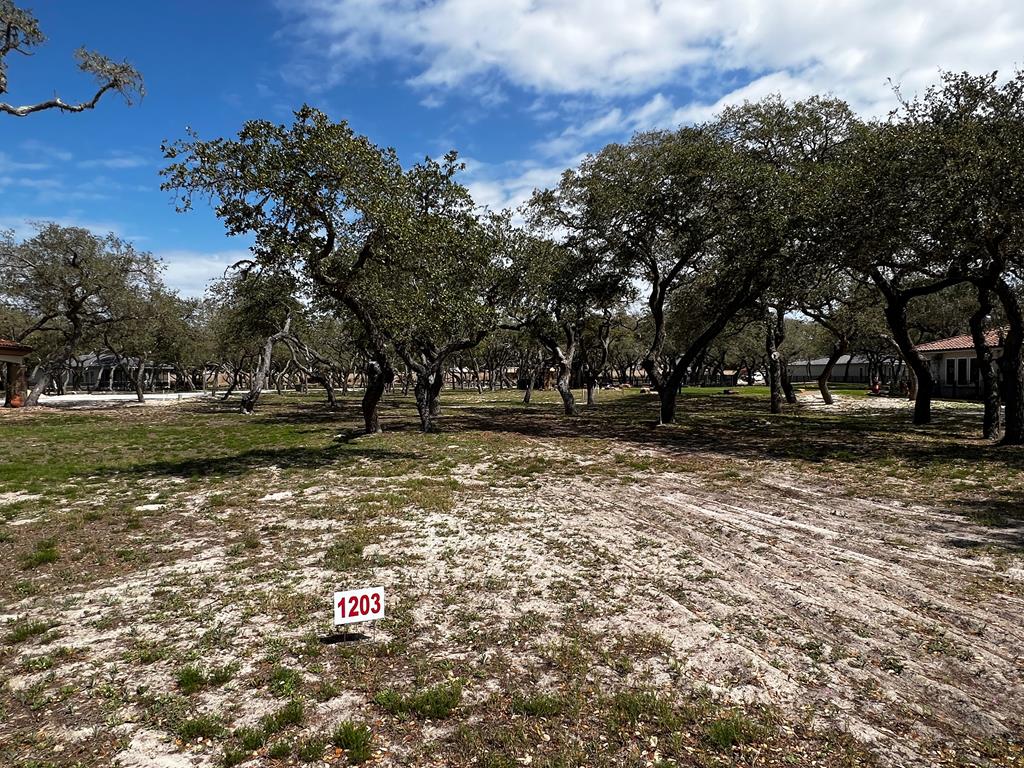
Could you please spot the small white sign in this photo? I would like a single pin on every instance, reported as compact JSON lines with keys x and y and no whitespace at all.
{"x":358,"y":605}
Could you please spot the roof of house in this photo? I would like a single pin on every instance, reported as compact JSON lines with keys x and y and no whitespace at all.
{"x":843,"y":360}
{"x":14,"y":347}
{"x":992,"y":339}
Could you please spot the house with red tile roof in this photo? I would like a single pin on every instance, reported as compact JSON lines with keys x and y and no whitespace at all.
{"x":954,"y":363}
{"x":12,"y":359}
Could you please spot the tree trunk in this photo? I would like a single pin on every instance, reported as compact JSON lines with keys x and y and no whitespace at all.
{"x":1011,"y":365}
{"x":426,"y":390}
{"x":774,"y":368}
{"x":434,"y":393}
{"x":922,"y":384}
{"x":259,"y":379}
{"x":378,"y":376}
{"x":140,"y":383}
{"x":838,"y":350}
{"x":988,"y":370}
{"x":562,"y":384}
{"x":40,"y":381}
{"x":590,"y":382}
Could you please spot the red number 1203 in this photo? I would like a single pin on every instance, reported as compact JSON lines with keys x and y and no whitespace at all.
{"x":359,"y":606}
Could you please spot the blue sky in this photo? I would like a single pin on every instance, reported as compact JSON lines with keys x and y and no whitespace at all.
{"x":521,"y":88}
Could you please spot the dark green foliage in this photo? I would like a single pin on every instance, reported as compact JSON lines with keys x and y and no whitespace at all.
{"x":250,"y":738}
{"x":200,"y":726}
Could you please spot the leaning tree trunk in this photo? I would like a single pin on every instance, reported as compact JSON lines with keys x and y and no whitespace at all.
{"x":259,"y":379}
{"x":922,"y":383}
{"x":563,"y":372}
{"x":332,"y":401}
{"x":987,"y":368}
{"x":40,"y":381}
{"x":838,"y":350}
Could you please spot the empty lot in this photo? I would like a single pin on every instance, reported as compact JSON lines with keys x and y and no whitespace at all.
{"x":826,"y":587}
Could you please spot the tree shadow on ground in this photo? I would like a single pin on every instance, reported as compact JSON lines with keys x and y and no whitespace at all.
{"x":301,"y":457}
{"x":742,"y":427}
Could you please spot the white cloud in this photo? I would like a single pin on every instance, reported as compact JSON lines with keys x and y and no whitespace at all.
{"x":115,"y":161}
{"x":617,"y":47}
{"x":190,"y":271}
{"x":509,"y":185}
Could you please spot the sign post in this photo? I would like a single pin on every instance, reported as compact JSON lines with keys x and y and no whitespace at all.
{"x":355,"y":605}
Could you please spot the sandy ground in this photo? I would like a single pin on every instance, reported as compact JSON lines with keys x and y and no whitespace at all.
{"x":899,"y":623}
{"x":115,"y":399}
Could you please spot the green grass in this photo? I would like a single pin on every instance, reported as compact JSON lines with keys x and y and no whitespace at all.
{"x":200,"y":726}
{"x":284,"y":681}
{"x":395,"y":481}
{"x":310,"y":749}
{"x":291,"y":713}
{"x":434,"y":703}
{"x":25,"y":629}
{"x":731,"y":730}
{"x":355,"y":738}
{"x":250,"y":738}
{"x":44,"y":552}
{"x":538,"y":705}
{"x":346,"y":553}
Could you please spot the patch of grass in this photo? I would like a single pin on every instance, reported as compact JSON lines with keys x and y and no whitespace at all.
{"x":325,"y":691}
{"x":38,"y":663}
{"x":355,"y":738}
{"x":290,"y":714}
{"x":892,"y":664}
{"x":44,"y":552}
{"x":311,"y":749}
{"x":233,"y":755}
{"x":434,"y":703}
{"x":279,"y":750}
{"x":217,"y":676}
{"x":251,"y":739}
{"x":538,"y":705}
{"x":24,"y":629}
{"x":148,"y":652}
{"x":191,"y":680}
{"x":632,"y":707}
{"x":731,"y":730}
{"x":346,"y":553}
{"x":199,"y":727}
{"x":284,"y":681}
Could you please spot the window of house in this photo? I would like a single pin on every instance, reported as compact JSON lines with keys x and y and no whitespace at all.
{"x":951,"y":371}
{"x":961,"y":371}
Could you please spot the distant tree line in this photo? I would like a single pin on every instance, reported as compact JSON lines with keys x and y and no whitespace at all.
{"x":775,"y":229}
